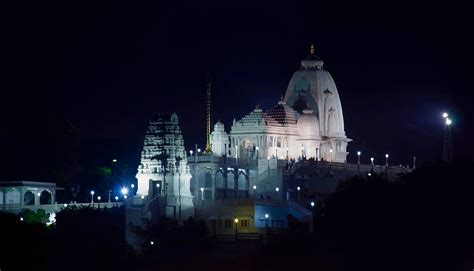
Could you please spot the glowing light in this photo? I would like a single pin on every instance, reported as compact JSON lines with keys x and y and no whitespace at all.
{"x":65,"y":205}
{"x":330,"y":150}
{"x":298,"y":188}
{"x":236,"y":220}
{"x":254,"y":187}
{"x":257,"y":148}
{"x":312,"y":204}
{"x":39,"y":194}
{"x":268,"y":157}
{"x":445,"y":115}
{"x":202,"y":189}
{"x":152,"y":243}
{"x":371,"y":159}
{"x":21,"y":218}
{"x":116,"y":197}
{"x":125,"y":196}
{"x":448,"y":121}
{"x":302,"y":148}
{"x":143,"y":197}
{"x":277,"y":189}
{"x":99,"y":198}
{"x":114,"y":160}
{"x":199,"y":150}
{"x":158,"y":185}
{"x":92,"y":192}
{"x":386,"y":155}
{"x":124,"y":191}
{"x":359,"y":153}
{"x":266,"y":215}
{"x":286,"y":148}
{"x":191,"y":152}
{"x":370,"y":174}
{"x":132,"y":185}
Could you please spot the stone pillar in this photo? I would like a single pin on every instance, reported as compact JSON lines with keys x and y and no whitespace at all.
{"x":37,"y":198}
{"x":22,"y":197}
{"x":213,"y":185}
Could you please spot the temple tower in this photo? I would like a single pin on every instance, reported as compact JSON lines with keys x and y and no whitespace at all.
{"x":163,"y":169}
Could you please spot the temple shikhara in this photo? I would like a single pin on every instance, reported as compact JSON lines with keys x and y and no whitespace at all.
{"x":268,"y":165}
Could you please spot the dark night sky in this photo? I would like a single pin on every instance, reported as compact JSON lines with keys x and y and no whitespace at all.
{"x":106,"y":66}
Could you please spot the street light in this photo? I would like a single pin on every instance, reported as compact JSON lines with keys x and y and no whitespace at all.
{"x":191,"y":152}
{"x":372,"y":160}
{"x":116,"y":198}
{"x":386,"y":159}
{"x":132,"y":185}
{"x":266,"y":220}
{"x":202,"y":193}
{"x":358,"y":157}
{"x":448,"y":121}
{"x":298,"y":192}
{"x":236,"y":220}
{"x":445,"y":115}
{"x":257,"y":148}
{"x":99,"y":198}
{"x":92,"y":196}
{"x":277,"y":189}
{"x":152,"y":243}
{"x":254,"y":189}
{"x":124,"y":191}
{"x":114,"y":161}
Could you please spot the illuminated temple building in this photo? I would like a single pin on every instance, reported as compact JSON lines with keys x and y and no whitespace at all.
{"x":270,"y":165}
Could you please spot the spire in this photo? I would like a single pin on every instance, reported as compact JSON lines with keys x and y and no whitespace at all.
{"x":208,"y":148}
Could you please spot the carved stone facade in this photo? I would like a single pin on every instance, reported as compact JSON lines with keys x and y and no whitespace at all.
{"x":163,"y":170}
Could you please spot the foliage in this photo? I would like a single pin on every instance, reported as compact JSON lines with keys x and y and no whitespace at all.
{"x":423,"y":221}
{"x":30,"y":216}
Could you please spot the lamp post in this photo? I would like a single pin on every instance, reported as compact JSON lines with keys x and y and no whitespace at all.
{"x":386,"y":159}
{"x":298,"y":192}
{"x":330,"y":153}
{"x":266,"y":220}
{"x":236,"y":221}
{"x":256,"y":149}
{"x":372,"y":161}
{"x":254,"y":189}
{"x":202,"y":193}
{"x":158,"y":188}
{"x":447,"y":141}
{"x":124,"y":192}
{"x":92,"y":196}
{"x":110,"y":192}
{"x":358,"y":157}
{"x":302,"y":148}
{"x":116,"y":198}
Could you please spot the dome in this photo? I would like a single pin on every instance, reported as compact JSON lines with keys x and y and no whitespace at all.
{"x":308,"y":125}
{"x":218,"y":126}
{"x":313,"y":88}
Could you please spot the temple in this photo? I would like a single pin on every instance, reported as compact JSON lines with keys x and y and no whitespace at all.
{"x":271,"y":165}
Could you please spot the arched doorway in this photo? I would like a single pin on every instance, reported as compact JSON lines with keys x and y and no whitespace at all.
{"x":45,"y":197}
{"x":29,"y":198}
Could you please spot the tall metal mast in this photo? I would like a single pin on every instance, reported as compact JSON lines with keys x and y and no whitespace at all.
{"x":208,"y":115}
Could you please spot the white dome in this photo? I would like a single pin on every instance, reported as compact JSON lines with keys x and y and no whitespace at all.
{"x":313,"y":88}
{"x":308,"y":125}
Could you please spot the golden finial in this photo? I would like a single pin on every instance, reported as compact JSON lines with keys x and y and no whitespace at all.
{"x":312,"y":49}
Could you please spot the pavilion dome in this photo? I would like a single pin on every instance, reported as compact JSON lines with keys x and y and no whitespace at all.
{"x":308,"y":125}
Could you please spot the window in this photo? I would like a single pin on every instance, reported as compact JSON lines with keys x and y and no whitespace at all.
{"x":278,"y":142}
{"x":270,"y":141}
{"x":228,"y":223}
{"x":244,"y":223}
